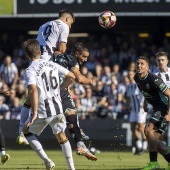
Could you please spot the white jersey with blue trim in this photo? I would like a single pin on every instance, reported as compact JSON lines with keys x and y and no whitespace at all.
{"x":165,"y":76}
{"x":45,"y":75}
{"x":51,"y":34}
{"x":135,"y":96}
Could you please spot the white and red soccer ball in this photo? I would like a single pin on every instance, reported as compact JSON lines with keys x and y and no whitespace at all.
{"x":107,"y":19}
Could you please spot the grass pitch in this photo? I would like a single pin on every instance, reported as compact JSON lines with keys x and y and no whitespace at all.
{"x":28,"y":159}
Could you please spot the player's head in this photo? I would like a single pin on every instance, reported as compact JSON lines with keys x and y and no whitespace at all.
{"x":67,"y":16}
{"x":142,"y":65}
{"x":80,"y":52}
{"x":32,"y":48}
{"x":162,"y":60}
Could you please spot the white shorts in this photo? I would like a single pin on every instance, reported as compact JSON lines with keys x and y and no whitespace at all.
{"x":57,"y":123}
{"x":139,"y":117}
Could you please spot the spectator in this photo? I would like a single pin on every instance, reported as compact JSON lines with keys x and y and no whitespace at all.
{"x":90,"y":103}
{"x":81,"y":110}
{"x":16,"y":109}
{"x":91,"y":63}
{"x":116,"y":72}
{"x":4,"y":109}
{"x":101,"y":96}
{"x":9,"y":72}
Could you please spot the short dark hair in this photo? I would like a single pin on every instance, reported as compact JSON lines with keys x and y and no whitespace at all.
{"x":31,"y":48}
{"x":66,"y":11}
{"x":143,"y":58}
{"x":159,"y":54}
{"x":79,"y":47}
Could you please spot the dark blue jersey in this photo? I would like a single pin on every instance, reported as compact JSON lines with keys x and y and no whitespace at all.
{"x":152,"y":87}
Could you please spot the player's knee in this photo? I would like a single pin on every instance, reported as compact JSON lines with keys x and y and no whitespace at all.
{"x":61,"y":137}
{"x":63,"y":141}
{"x":71,"y":121}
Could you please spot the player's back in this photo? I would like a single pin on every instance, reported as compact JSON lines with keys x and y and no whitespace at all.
{"x":50,"y":34}
{"x":46,"y":77}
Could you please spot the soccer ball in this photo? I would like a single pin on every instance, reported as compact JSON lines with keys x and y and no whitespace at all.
{"x":107,"y":19}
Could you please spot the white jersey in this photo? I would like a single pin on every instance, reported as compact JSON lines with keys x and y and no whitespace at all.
{"x":165,"y":76}
{"x":45,"y":75}
{"x":136,"y":98}
{"x":51,"y":34}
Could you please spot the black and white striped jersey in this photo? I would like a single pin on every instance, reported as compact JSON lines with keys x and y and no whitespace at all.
{"x":165,"y":76}
{"x":51,"y":34}
{"x":136,"y":98}
{"x":8,"y":72}
{"x":45,"y":75}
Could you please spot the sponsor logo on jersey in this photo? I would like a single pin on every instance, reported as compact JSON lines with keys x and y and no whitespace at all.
{"x":147,"y":86}
{"x":145,"y":94}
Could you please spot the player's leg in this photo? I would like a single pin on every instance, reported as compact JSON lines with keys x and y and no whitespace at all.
{"x":4,"y":156}
{"x":36,"y":128}
{"x":152,"y":146}
{"x":58,"y":126}
{"x":161,"y":147}
{"x":74,"y":129}
{"x":136,"y":136}
{"x":141,"y":120}
{"x":141,"y":129}
{"x":24,"y":116}
{"x":73,"y":125}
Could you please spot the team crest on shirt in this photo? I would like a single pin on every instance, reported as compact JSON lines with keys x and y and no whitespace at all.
{"x":147,"y":86}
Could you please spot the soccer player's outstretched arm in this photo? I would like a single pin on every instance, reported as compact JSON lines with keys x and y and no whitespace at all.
{"x":81,"y":78}
{"x":67,"y":80}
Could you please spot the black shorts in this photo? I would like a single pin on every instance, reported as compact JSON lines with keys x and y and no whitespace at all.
{"x":67,"y":101}
{"x":157,"y":119}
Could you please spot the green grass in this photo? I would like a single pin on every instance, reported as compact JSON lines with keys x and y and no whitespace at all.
{"x":27,"y":159}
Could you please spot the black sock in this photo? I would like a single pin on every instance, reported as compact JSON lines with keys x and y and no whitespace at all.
{"x":167,"y":157}
{"x":2,"y":141}
{"x":72,"y":119}
{"x":153,"y":156}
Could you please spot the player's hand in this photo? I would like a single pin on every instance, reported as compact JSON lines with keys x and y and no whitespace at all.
{"x":167,"y":118}
{"x":56,"y":53}
{"x":34,"y":116}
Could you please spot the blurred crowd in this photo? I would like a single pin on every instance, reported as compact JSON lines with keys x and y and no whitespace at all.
{"x":111,"y":57}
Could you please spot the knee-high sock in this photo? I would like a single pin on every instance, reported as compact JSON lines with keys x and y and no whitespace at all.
{"x":67,"y":151}
{"x":24,"y":116}
{"x":2,"y":143}
{"x":37,"y":147}
{"x":74,"y":130}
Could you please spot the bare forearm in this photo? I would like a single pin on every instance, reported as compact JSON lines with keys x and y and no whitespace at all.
{"x":66,"y":83}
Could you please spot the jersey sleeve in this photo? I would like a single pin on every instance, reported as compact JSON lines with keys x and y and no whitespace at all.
{"x":160,"y":84}
{"x":64,"y":33}
{"x":75,"y":67}
{"x":61,"y":70}
{"x":29,"y":77}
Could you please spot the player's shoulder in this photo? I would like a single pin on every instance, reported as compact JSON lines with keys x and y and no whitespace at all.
{"x":60,"y":23}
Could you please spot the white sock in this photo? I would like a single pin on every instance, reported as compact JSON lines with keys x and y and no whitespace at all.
{"x":37,"y":147}
{"x":138,"y":144}
{"x":67,"y":151}
{"x":145,"y":145}
{"x":3,"y":153}
{"x":23,"y":118}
